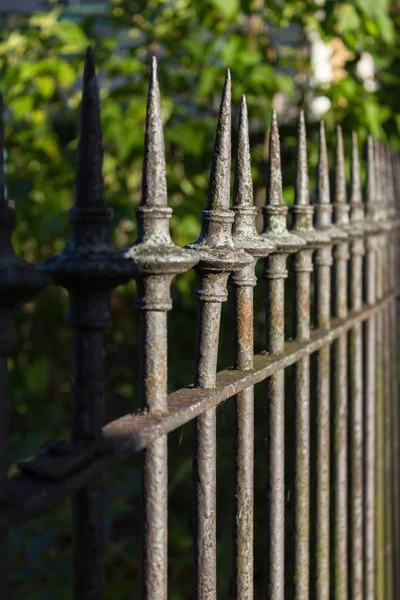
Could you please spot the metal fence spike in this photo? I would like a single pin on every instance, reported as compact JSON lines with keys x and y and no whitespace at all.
{"x":302,"y":193}
{"x":243,"y":184}
{"x":302,"y":210}
{"x":219,"y":187}
{"x":323,"y":206}
{"x":89,"y":180}
{"x":323,"y":191}
{"x":356,"y":204}
{"x":356,"y":196}
{"x":340,"y":177}
{"x":274,"y":189}
{"x":244,"y":231}
{"x":154,"y":181}
{"x":274,"y":209}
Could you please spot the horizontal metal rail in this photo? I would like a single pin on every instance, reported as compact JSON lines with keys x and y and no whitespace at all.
{"x":55,"y":477}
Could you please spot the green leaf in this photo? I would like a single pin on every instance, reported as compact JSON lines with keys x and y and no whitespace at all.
{"x":228,"y":9}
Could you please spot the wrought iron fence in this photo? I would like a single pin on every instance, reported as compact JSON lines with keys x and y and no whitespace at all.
{"x":356,"y":518}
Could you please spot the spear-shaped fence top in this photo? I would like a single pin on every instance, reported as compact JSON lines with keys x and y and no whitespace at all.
{"x":244,"y":228}
{"x":323,"y":206}
{"x":89,"y":255}
{"x":302,"y":210}
{"x":215,"y":243}
{"x":154,"y":252}
{"x":356,"y":202}
{"x":371,"y":199}
{"x":274,"y":210}
{"x":89,"y":179}
{"x":340,"y":207}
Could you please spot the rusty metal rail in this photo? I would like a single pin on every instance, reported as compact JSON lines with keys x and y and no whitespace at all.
{"x":347,"y":524}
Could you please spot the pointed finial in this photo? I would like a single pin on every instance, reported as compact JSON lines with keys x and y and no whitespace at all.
{"x":244,"y":231}
{"x":340,"y":177}
{"x":371,"y":173}
{"x":341,"y":208}
{"x":154,"y":180}
{"x":243,"y":184}
{"x":356,"y":203}
{"x":390,"y":183}
{"x":274,"y":189}
{"x":219,"y":188}
{"x":2,"y":151}
{"x":323,"y":194}
{"x":89,"y":181}
{"x":301,"y":194}
{"x":274,"y":209}
{"x":356,"y":196}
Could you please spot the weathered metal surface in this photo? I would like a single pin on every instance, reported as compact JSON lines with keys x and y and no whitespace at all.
{"x":303,"y":266}
{"x":323,"y":263}
{"x":128,"y":435}
{"x":340,"y":387}
{"x":228,"y":248}
{"x":89,"y":269}
{"x":217,"y":259}
{"x":245,"y":237}
{"x":275,"y":272}
{"x":357,"y":250}
{"x":158,"y":260}
{"x":370,"y":385}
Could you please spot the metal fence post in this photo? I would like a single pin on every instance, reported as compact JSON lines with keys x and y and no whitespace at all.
{"x":89,"y":269}
{"x":217,"y":259}
{"x":275,"y":273}
{"x":357,"y":250}
{"x":303,"y":227}
{"x":245,"y":237}
{"x":340,"y":392}
{"x":323,"y":262}
{"x":370,"y":380}
{"x":158,"y":261}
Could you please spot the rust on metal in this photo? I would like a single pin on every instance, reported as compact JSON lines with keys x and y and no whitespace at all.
{"x":356,"y":428}
{"x":275,"y":229}
{"x":218,"y":257}
{"x":157,"y":261}
{"x":245,"y":237}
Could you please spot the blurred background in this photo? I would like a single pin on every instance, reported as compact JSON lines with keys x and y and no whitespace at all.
{"x":339,"y":61}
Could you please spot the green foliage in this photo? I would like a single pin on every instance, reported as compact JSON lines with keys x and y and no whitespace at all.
{"x":41,"y":60}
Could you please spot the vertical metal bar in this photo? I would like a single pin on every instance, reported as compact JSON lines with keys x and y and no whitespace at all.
{"x":340,"y":391}
{"x":323,"y":262}
{"x":394,"y":382}
{"x":87,"y":504}
{"x":387,"y":388}
{"x":357,"y":250}
{"x":244,"y":447}
{"x":158,"y":261}
{"x":275,"y":429}
{"x":154,"y":347}
{"x":380,"y":483}
{"x":245,"y":237}
{"x":303,"y":266}
{"x":370,"y":384}
{"x":275,"y":273}
{"x":218,"y":258}
{"x":89,"y":269}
